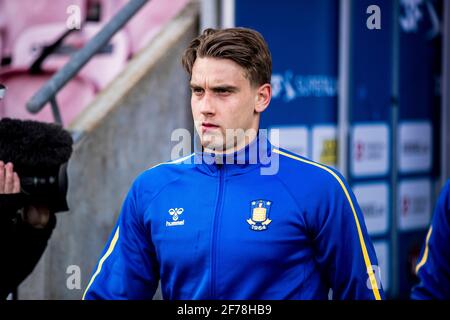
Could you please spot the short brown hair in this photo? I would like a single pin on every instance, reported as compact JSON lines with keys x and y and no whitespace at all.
{"x":244,"y":46}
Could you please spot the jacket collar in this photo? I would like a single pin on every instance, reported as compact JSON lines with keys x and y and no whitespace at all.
{"x":254,"y":155}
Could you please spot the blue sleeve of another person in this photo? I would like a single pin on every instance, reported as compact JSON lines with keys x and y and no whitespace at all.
{"x":433,"y":268}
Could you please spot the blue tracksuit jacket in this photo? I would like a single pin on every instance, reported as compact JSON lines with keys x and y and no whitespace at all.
{"x":433,"y":268}
{"x":208,"y":230}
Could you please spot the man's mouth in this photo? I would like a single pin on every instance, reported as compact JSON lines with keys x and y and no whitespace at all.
{"x":206,"y":126}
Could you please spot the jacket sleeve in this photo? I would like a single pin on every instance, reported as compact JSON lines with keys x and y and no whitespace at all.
{"x":343,"y":249}
{"x":128,"y":267}
{"x":433,"y":268}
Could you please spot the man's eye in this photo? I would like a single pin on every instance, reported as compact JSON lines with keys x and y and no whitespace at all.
{"x":223,"y":91}
{"x":197,"y":91}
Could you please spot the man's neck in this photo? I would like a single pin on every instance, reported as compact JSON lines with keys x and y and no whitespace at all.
{"x":235,"y":148}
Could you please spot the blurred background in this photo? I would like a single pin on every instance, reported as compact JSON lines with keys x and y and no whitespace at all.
{"x":360,"y":85}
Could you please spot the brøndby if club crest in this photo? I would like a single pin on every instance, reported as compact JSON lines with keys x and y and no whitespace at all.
{"x":259,"y":217}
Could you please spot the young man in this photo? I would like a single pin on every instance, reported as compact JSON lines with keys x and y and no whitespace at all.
{"x":225,"y":223}
{"x":433,"y":269}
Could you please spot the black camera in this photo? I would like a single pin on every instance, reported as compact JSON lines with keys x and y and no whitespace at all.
{"x":40,"y":153}
{"x":50,"y":190}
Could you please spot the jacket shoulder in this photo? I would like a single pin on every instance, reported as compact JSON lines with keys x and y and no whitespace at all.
{"x":156,"y":177}
{"x":294,"y":166}
{"x":309,"y":179}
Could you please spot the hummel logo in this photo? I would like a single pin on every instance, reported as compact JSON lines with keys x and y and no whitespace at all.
{"x":175,"y":213}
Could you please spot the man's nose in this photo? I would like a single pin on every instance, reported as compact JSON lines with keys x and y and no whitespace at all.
{"x":207,"y":104}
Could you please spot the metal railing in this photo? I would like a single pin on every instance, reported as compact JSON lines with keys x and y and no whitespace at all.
{"x":47,"y":93}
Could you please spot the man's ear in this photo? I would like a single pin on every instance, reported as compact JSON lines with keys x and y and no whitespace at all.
{"x":264,"y":94}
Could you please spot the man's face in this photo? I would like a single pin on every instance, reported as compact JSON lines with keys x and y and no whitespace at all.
{"x":222,"y":98}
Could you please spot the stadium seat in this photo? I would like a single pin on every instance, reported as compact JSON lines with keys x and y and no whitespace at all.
{"x":147,"y":22}
{"x":101,"y":69}
{"x":28,"y":26}
{"x":150,"y":20}
{"x":18,"y":16}
{"x":21,"y":86}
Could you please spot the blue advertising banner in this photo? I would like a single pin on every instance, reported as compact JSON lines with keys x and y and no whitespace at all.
{"x":370,"y":145}
{"x":375,"y":120}
{"x":418,"y":136}
{"x":303,"y":38}
{"x":371,"y":63}
{"x":394,"y":98}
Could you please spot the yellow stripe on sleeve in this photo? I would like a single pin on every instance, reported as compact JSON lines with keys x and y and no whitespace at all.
{"x":425,"y":252}
{"x":370,"y":271}
{"x":102,"y":260}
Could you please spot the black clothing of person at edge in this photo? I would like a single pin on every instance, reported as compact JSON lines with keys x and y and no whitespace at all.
{"x":29,"y":150}
{"x":21,"y":245}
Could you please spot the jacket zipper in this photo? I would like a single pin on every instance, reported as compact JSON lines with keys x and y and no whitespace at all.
{"x":215,"y":230}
